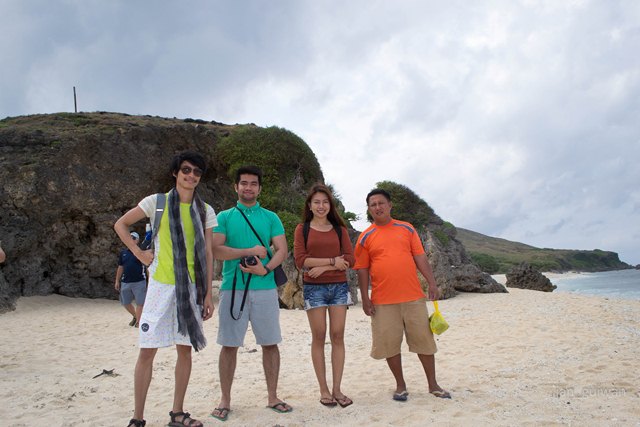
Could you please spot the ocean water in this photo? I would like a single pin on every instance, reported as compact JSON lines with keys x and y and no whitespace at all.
{"x":616,"y":284}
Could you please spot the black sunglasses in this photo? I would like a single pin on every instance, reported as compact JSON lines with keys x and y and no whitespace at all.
{"x":188,"y":169}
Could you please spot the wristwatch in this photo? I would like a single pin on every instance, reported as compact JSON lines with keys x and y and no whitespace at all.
{"x":268,"y":270}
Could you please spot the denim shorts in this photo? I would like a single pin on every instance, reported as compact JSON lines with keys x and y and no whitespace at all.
{"x":326,"y":294}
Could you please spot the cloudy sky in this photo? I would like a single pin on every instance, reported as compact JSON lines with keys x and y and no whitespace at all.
{"x":516,"y":119}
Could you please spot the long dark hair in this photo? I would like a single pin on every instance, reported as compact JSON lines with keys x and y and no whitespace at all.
{"x":333,"y":216}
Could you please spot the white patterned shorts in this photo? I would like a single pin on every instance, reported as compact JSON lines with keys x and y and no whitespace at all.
{"x":159,"y":320}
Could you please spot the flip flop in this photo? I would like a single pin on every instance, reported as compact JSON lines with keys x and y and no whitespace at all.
{"x":344,"y":401}
{"x":281,"y":408}
{"x":402,"y":396}
{"x":442,"y":394}
{"x":328,"y":401}
{"x":223,"y":414}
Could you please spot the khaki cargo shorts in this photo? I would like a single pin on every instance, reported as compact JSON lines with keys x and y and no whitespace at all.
{"x":392,"y":321}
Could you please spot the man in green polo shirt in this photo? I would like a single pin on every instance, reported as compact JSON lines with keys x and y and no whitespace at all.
{"x":248,"y":292}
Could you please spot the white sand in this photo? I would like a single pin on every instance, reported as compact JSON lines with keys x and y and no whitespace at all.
{"x":523,"y":358}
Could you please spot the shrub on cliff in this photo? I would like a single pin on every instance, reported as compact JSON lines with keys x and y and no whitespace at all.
{"x":407,"y":205}
{"x":288,"y":164}
{"x":485,"y":262}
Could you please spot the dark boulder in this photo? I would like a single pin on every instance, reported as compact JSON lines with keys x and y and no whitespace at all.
{"x":524,"y":276}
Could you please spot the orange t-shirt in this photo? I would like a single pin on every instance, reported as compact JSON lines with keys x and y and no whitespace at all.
{"x":388,"y":251}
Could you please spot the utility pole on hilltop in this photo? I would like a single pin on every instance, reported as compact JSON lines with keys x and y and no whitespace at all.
{"x":75,"y":103}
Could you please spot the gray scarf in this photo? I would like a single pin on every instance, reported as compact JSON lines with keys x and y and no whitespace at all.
{"x":187,"y":321}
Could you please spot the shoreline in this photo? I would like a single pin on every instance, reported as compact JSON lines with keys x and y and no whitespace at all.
{"x":524,"y":357}
{"x":624,"y":286}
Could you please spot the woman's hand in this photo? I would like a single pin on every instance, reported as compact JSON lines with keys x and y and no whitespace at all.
{"x":341,"y":263}
{"x":317,"y":271}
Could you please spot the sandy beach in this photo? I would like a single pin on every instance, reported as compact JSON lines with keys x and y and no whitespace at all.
{"x":522,"y":358}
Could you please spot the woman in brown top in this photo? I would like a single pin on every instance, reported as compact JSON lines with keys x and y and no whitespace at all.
{"x":322,"y":248}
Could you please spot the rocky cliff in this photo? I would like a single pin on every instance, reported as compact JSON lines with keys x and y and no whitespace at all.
{"x":452,"y":265}
{"x":65,"y":179}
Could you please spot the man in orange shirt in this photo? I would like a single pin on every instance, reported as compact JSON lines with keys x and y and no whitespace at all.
{"x":387,"y":256}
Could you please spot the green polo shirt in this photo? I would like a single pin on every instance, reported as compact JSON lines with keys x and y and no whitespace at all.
{"x":238,"y":234}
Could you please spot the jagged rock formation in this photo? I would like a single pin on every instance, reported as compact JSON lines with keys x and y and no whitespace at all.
{"x":525,"y":276}
{"x":452,"y":265}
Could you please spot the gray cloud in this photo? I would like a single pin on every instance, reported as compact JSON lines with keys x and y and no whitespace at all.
{"x":514,"y":119}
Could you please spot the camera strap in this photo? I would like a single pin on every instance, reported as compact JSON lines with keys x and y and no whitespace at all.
{"x":233,"y":294}
{"x":256,"y":233}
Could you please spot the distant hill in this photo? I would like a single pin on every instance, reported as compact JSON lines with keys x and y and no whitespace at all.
{"x":496,"y":256}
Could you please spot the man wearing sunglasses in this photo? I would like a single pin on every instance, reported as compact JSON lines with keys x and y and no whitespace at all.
{"x":180,"y":274}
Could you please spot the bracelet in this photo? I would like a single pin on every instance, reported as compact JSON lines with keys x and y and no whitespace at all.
{"x":268,"y":270}
{"x":332,"y":261}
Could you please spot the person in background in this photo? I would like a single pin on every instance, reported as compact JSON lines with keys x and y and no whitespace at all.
{"x":131,"y":282}
{"x":322,"y":249}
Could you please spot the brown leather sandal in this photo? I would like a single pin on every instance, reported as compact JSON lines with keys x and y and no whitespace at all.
{"x":186,"y":420}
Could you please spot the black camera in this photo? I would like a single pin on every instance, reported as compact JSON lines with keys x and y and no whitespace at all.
{"x":246,"y":261}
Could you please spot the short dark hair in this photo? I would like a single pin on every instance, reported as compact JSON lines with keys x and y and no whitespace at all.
{"x":377,"y":191}
{"x":249,"y":170}
{"x":192,"y":157}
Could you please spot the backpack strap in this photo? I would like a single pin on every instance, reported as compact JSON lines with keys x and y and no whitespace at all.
{"x":305,"y":233}
{"x":161,"y":201}
{"x":339,"y":231}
